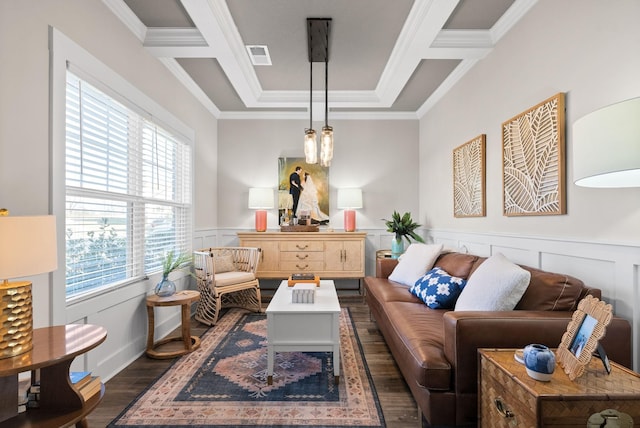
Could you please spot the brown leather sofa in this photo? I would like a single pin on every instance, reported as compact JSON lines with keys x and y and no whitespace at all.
{"x":437,"y":350}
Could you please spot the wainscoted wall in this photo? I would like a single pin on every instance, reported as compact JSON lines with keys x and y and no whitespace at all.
{"x":614,"y":268}
{"x":611,"y":267}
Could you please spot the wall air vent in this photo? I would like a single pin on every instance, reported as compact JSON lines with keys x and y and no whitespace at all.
{"x":259,"y":54}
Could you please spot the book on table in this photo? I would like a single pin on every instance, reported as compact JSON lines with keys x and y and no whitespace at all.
{"x":79,"y":379}
{"x":303,"y":277}
{"x":91,"y":388}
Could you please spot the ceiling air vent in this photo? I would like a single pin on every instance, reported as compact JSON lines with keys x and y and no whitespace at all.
{"x":259,"y":54}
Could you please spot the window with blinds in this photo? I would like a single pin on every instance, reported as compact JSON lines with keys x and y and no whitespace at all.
{"x":128,"y":191}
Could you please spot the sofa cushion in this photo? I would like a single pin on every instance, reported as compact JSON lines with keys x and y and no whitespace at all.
{"x":387,"y":291}
{"x":437,"y":289}
{"x":549,"y":291}
{"x":457,"y":264}
{"x":418,"y":343}
{"x":496,"y":285}
{"x":414,"y":263}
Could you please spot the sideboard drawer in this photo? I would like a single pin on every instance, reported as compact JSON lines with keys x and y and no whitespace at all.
{"x":302,"y":266}
{"x":302,"y":256}
{"x":301,"y":246}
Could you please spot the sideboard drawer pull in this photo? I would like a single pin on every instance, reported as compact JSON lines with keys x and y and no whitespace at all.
{"x":502,"y":408}
{"x":302,"y":256}
{"x":302,"y":267}
{"x":301,"y":247}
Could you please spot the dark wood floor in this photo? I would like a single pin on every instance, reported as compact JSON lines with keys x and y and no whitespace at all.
{"x":398,"y":406}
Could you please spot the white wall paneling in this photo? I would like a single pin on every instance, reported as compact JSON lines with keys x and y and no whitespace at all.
{"x":611,"y":267}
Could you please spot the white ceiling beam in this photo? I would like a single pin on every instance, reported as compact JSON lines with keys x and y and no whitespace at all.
{"x":174,"y":37}
{"x":423,"y":25}
{"x":216,"y":36}
{"x":213,"y":19}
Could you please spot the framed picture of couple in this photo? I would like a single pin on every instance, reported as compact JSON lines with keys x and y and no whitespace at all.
{"x":314,"y":195}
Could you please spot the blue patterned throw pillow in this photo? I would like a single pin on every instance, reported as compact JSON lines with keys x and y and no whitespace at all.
{"x":437,"y":289}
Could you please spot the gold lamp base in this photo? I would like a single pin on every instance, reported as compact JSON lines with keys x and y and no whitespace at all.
{"x":16,"y":318}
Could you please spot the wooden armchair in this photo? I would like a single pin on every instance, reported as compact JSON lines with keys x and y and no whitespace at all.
{"x":226,"y":277}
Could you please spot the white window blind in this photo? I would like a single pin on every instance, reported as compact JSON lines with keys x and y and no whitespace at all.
{"x":128,"y":190}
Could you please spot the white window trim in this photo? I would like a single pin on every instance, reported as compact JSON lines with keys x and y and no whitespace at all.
{"x":62,"y":50}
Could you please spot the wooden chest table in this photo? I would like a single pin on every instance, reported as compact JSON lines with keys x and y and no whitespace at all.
{"x":508,"y":397}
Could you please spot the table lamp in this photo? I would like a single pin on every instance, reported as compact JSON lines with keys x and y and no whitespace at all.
{"x":27,"y":247}
{"x":349,"y":200}
{"x":606,"y":146}
{"x":261,"y":199}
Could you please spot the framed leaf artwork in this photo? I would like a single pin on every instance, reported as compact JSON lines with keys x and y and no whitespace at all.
{"x":533,"y":161}
{"x":469,"y":178}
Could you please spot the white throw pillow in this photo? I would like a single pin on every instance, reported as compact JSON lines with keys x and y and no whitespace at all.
{"x":497,"y":285}
{"x":415,"y":262}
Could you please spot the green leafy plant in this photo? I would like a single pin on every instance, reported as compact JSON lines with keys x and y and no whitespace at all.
{"x":175,"y":261}
{"x":403,"y":227}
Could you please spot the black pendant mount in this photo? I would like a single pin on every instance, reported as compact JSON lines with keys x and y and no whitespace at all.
{"x":318,"y":39}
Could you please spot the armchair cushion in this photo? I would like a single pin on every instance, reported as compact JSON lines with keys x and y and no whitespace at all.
{"x":223,"y":263}
{"x":236,"y":277}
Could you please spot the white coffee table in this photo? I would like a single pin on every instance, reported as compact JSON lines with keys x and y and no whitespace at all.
{"x":304,"y":327}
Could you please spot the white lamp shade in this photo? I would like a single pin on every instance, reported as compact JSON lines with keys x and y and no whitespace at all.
{"x":606,"y":146}
{"x":27,"y":246}
{"x":349,"y":199}
{"x":261,"y":198}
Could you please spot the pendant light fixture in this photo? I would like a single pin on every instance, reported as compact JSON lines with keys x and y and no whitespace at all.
{"x":318,"y":48}
{"x":310,"y":144}
{"x":326,"y":139}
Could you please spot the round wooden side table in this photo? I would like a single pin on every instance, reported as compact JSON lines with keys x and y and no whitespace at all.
{"x":184,"y":298}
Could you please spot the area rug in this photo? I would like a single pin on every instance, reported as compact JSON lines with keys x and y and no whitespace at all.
{"x":224,"y":384}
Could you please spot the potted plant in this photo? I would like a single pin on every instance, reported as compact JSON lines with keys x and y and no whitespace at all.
{"x":403,"y":227}
{"x":172,"y":261}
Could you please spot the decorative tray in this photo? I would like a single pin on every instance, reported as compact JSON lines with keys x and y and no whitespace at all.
{"x":299,"y":228}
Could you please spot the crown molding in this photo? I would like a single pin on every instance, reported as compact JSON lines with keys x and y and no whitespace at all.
{"x":304,"y":116}
{"x":184,"y":78}
{"x":518,"y":9}
{"x":120,"y":9}
{"x":448,"y":83}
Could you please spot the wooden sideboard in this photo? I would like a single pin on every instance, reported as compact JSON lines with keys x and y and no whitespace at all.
{"x":330,"y":255}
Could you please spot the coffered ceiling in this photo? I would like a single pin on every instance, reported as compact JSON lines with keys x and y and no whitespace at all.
{"x":391,"y":59}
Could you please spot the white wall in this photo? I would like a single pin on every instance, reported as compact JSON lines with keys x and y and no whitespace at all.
{"x":381,"y":157}
{"x":589,"y":50}
{"x":25,"y":157}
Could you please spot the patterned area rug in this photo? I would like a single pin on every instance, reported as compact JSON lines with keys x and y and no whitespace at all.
{"x":224,"y":384}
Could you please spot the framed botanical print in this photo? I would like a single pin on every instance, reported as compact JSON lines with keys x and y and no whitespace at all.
{"x":533,"y":161}
{"x":469,"y":178}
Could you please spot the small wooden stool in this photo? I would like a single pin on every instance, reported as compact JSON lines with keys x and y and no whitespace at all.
{"x":184,"y":298}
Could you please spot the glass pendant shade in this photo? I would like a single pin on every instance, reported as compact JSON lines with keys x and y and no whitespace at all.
{"x":310,"y":146}
{"x":326,"y":146}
